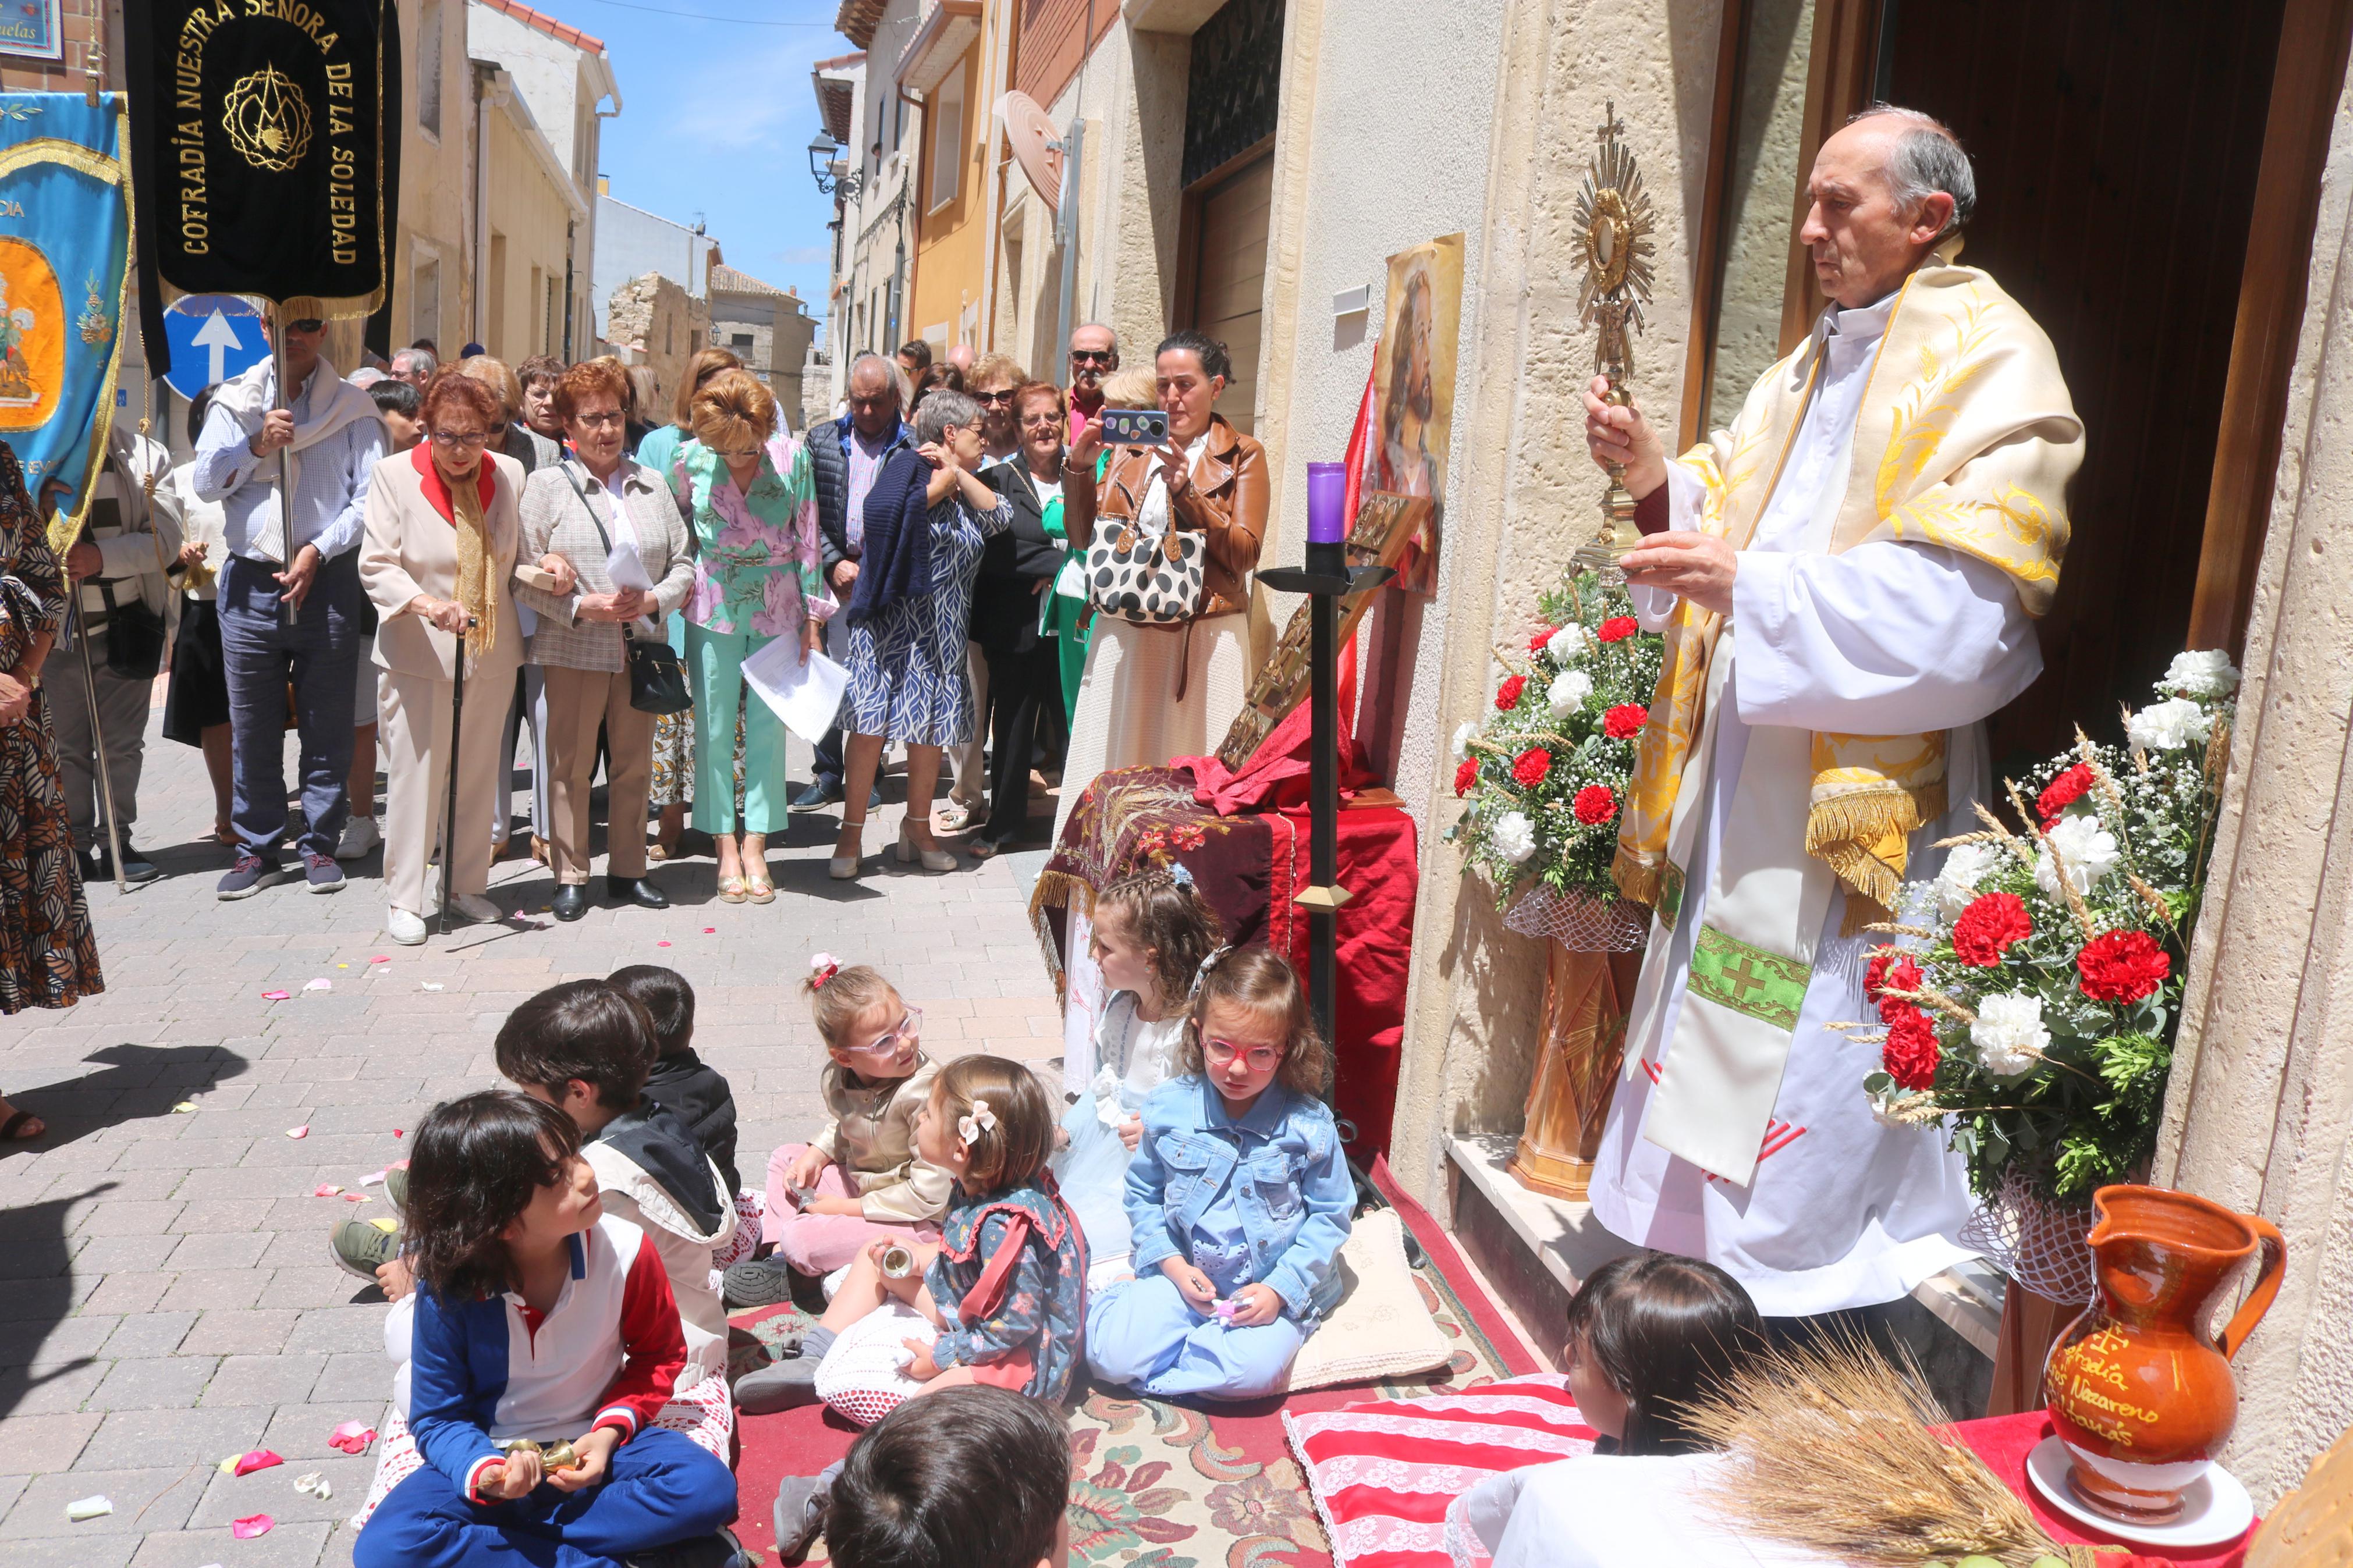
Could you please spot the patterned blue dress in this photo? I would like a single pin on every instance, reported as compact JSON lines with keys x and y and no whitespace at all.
{"x":907,"y":679}
{"x":1025,"y":1334}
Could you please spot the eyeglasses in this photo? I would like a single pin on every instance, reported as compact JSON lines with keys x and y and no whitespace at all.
{"x":909,"y":1027}
{"x":450,"y":440}
{"x":1092,"y":356}
{"x":604,"y":421}
{"x":1049,"y":420}
{"x":307,"y":324}
{"x":1261,"y":1059}
{"x":985,"y":398}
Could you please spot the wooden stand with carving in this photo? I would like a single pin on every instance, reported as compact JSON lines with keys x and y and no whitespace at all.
{"x":1583,"y":1042}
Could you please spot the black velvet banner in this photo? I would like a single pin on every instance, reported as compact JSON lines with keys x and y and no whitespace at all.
{"x":261,"y":154}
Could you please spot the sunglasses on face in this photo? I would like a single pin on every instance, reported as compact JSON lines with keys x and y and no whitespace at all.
{"x":307,"y":324}
{"x":988,"y":398}
{"x":1091,"y":356}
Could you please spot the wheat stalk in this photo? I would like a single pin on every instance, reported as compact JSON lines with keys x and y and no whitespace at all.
{"x":1837,"y":1452}
{"x":2075,"y":905}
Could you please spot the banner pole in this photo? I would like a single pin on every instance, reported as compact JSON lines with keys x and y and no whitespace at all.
{"x":80,"y":630}
{"x":286,"y":612}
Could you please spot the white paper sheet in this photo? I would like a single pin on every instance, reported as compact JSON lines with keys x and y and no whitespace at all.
{"x":807,"y":697}
{"x":625,"y":567}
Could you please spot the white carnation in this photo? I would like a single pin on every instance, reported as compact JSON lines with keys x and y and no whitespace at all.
{"x":2207,"y":673}
{"x":1514,"y":836}
{"x":1568,"y":691}
{"x":2088,"y":849}
{"x":1462,"y":735}
{"x":2169,"y":725}
{"x":1965,"y":868}
{"x":1569,"y":644}
{"x":2008,"y":1032}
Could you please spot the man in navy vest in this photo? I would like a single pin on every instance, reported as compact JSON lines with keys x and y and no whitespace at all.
{"x":845,"y":455}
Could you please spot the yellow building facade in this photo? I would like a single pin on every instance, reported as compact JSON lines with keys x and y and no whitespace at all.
{"x":954,"y":66}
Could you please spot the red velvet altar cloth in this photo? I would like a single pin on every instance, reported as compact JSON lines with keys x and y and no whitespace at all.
{"x":2004,"y":1441}
{"x":1250,"y":866}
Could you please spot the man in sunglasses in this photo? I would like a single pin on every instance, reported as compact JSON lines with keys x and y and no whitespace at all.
{"x":292,"y":609}
{"x":1094,"y":355}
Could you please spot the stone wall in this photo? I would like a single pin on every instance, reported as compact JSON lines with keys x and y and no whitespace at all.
{"x":2260,"y":1112}
{"x":652,"y":321}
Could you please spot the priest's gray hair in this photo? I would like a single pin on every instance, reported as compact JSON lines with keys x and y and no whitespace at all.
{"x":1928,"y":158}
{"x":942,"y":406}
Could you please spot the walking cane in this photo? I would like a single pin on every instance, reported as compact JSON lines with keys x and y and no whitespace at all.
{"x":80,"y":630}
{"x":450,"y":813}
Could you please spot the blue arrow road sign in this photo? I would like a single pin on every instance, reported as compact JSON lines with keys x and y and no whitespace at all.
{"x":212,"y":337}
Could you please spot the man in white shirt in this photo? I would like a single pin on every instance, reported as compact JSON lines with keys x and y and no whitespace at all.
{"x":1848,"y":581}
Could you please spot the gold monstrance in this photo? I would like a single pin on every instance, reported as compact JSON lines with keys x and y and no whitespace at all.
{"x":1613,"y":238}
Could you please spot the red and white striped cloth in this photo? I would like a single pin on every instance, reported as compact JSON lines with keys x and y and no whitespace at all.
{"x":1382,"y":1472}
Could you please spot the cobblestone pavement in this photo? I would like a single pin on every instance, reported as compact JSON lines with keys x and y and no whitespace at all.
{"x":166,"y":1297}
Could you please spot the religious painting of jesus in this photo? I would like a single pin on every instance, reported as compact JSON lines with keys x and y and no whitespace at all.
{"x":1413,"y":392}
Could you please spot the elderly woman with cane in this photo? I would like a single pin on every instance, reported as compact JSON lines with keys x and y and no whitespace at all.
{"x":443,"y":524}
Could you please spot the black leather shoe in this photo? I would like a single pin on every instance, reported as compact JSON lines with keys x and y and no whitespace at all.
{"x":571,"y":902}
{"x":635,"y":891}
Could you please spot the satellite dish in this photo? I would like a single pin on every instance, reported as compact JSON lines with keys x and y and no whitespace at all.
{"x":1036,"y":145}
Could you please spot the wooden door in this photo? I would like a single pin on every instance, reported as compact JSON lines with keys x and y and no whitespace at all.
{"x":2117,"y":146}
{"x":1228,"y":219}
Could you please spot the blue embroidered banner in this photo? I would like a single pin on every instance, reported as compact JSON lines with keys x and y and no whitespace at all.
{"x":64,"y":237}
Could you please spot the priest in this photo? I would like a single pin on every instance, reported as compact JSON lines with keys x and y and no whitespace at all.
{"x":1848,"y":581}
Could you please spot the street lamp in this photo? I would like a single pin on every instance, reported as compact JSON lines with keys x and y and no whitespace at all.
{"x":826,"y":169}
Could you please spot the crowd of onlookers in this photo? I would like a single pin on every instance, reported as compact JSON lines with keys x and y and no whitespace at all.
{"x":421,"y":566}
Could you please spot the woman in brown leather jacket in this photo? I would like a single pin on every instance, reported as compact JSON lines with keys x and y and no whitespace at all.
{"x":1156,"y":692}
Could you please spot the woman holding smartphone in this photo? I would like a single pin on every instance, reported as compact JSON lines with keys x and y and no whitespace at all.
{"x":1153,"y":692}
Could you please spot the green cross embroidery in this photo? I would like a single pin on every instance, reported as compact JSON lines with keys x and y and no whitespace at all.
{"x":1748,"y":980}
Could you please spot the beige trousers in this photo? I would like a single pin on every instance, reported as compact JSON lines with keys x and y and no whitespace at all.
{"x":578,"y":701}
{"x":415,"y":747}
{"x":968,"y":761}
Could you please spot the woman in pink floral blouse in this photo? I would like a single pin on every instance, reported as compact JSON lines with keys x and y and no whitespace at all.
{"x":752,"y":506}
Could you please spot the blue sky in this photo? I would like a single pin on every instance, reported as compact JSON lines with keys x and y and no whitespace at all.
{"x":716,"y":117}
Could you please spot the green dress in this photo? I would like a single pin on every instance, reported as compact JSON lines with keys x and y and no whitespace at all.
{"x":1063,"y":616}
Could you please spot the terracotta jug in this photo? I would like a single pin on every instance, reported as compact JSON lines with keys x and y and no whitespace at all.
{"x":2141,"y":1394}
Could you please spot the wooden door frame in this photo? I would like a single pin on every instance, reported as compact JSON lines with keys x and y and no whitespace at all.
{"x":1184,"y":309}
{"x":1841,"y":77}
{"x":2305,"y":85}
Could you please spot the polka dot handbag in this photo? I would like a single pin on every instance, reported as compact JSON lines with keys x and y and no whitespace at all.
{"x":1153,"y":581}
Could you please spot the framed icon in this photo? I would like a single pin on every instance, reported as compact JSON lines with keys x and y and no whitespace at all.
{"x":32,"y":29}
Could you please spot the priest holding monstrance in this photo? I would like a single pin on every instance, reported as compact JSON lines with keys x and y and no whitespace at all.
{"x":1848,"y":579}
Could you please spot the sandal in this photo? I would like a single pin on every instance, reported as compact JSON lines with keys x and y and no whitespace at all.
{"x":759,"y":889}
{"x":13,"y":1130}
{"x":731,"y":890}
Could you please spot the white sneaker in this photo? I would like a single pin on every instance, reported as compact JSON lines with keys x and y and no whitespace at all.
{"x":475,"y":907}
{"x":404,"y":928}
{"x":360,"y":835}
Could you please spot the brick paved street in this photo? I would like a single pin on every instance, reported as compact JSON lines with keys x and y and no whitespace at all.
{"x":166,"y":1298}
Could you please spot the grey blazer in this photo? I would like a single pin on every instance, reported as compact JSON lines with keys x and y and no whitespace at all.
{"x":554,"y":522}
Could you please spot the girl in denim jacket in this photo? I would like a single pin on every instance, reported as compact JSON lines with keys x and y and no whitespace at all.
{"x":1240,"y":1199}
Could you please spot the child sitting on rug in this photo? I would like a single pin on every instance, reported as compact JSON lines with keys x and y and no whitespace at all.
{"x":1151,"y":932}
{"x":693,"y":1090}
{"x":968,"y":1478}
{"x":538,"y":1316}
{"x":1240,"y":1199}
{"x":1006,"y":1286}
{"x":859,"y":1180}
{"x":1649,"y":1335}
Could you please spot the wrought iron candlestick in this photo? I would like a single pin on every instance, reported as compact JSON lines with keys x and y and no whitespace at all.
{"x":1613,"y":241}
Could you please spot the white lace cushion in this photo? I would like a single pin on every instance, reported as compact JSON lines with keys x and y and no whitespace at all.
{"x":864,"y":1374}
{"x":1380,"y":1330}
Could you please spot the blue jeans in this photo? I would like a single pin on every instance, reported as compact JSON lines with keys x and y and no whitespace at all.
{"x":1146,"y":1335}
{"x":319,"y":651}
{"x":660,"y":1490}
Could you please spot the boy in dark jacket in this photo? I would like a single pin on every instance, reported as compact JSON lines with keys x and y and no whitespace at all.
{"x":680,"y":1080}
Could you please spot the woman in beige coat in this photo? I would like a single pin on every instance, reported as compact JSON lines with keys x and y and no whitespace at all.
{"x":574,"y":515}
{"x":443,"y":524}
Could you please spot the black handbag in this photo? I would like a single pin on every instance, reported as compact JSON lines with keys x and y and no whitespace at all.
{"x":134,"y":635}
{"x":656,"y":675}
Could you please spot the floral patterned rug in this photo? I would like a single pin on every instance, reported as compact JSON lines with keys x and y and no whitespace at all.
{"x":1156,"y":1485}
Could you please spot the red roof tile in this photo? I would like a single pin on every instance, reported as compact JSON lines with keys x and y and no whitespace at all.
{"x":562,"y":31}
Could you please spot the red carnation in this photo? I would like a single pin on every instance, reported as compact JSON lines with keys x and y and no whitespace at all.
{"x":1625,"y":721}
{"x":1531,"y":765}
{"x":1507,"y":696}
{"x":1543,"y":635}
{"x":1618,"y":628}
{"x":1912,"y":1053}
{"x":2122,"y":966}
{"x":1987,"y":927}
{"x":1595,"y":805}
{"x":2064,"y":792}
{"x":1466,"y":776}
{"x":1890,"y":971}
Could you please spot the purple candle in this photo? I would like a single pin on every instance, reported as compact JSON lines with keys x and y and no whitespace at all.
{"x":1327,"y":502}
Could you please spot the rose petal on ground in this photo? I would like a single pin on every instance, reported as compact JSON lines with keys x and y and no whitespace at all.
{"x":184,"y":1108}
{"x":711,"y":930}
{"x":251,"y":1525}
{"x":381,"y":958}
{"x":343,"y":967}
{"x":301,"y":1131}
{"x":352,"y":1438}
{"x":320,"y":985}
{"x":97,"y":1507}
{"x":314,"y":1485}
{"x":356,"y":1198}
{"x":372,"y":1178}
{"x":275,"y":995}
{"x":430,"y":984}
{"x":325,"y":1190}
{"x":259,"y":1460}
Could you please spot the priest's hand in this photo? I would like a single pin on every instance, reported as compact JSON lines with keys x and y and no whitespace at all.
{"x":1618,"y":434}
{"x":1697,"y":566}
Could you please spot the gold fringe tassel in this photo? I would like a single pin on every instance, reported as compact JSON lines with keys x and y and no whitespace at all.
{"x":1848,"y":831}
{"x":1635,"y":880}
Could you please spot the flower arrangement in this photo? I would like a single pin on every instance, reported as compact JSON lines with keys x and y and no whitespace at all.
{"x":2031,"y":998}
{"x":1545,"y":774}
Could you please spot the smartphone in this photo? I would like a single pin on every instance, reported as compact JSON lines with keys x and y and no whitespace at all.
{"x":1135,"y":427}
